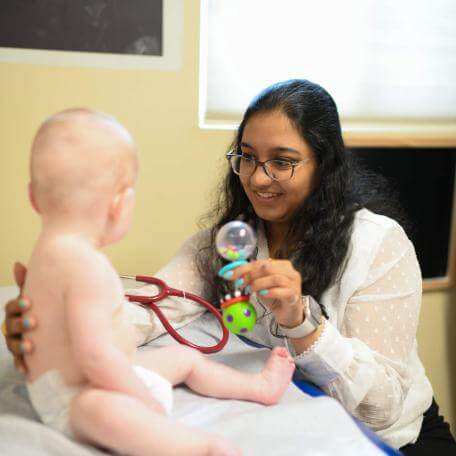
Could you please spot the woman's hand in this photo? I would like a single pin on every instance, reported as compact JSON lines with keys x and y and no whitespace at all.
{"x":278,"y":286}
{"x":15,"y":324}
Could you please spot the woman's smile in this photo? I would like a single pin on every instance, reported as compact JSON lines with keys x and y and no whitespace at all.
{"x":266,"y":197}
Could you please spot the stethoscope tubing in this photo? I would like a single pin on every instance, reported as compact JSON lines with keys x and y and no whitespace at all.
{"x":164,"y":292}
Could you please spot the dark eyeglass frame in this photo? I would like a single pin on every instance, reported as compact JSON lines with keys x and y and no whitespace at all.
{"x":293,"y":164}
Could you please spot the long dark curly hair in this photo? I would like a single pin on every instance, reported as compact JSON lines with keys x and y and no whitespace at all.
{"x":319,"y":232}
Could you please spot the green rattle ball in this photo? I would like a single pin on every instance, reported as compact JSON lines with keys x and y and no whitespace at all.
{"x":240,"y":317}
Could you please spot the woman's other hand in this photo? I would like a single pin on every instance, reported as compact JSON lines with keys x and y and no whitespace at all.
{"x":277,"y":285}
{"x":15,"y":324}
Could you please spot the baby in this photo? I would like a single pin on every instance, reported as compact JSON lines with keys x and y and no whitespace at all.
{"x":85,"y":377}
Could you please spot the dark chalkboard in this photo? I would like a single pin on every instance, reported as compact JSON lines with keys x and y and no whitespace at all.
{"x":109,"y":26}
{"x":424,"y":179}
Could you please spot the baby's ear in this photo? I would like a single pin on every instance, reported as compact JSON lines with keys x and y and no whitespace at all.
{"x":32,"y":198}
{"x":122,"y":204}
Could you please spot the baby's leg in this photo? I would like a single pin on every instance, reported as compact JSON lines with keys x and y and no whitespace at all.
{"x":180,"y":364}
{"x":125,"y":425}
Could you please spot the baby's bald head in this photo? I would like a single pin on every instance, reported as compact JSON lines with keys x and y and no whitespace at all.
{"x":79,"y":158}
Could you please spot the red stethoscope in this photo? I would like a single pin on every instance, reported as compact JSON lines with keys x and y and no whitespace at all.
{"x":164,"y":291}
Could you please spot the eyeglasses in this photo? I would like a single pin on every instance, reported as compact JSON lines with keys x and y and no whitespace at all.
{"x":276,"y":169}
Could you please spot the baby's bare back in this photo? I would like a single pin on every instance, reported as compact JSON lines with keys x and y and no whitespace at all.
{"x":52,"y":269}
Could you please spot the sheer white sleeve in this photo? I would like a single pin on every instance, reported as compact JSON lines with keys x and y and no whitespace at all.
{"x":182,"y":273}
{"x":364,"y":365}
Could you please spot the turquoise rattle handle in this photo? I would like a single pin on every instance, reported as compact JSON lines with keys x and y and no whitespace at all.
{"x":230,"y":266}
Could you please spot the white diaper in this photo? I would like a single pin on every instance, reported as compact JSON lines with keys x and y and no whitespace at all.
{"x":51,"y":398}
{"x":158,"y":386}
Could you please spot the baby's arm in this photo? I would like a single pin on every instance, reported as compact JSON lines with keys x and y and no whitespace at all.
{"x":90,"y":298}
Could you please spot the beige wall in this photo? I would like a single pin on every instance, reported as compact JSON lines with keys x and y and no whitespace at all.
{"x":177,"y":159}
{"x":177,"y":176}
{"x":437,"y":348}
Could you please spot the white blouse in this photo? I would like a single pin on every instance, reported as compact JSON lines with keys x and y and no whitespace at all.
{"x":366,"y":356}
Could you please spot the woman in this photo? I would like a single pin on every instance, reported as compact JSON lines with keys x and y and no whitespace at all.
{"x":338,"y":284}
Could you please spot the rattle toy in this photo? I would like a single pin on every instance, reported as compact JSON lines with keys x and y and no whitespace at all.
{"x":235,"y":242}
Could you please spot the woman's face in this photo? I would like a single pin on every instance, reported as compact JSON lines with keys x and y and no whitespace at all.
{"x":268,"y":136}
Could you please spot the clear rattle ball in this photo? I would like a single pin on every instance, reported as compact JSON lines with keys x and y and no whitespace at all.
{"x":235,"y":241}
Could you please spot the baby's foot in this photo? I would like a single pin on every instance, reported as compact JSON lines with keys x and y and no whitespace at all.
{"x":222,"y":447}
{"x":276,"y":376}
